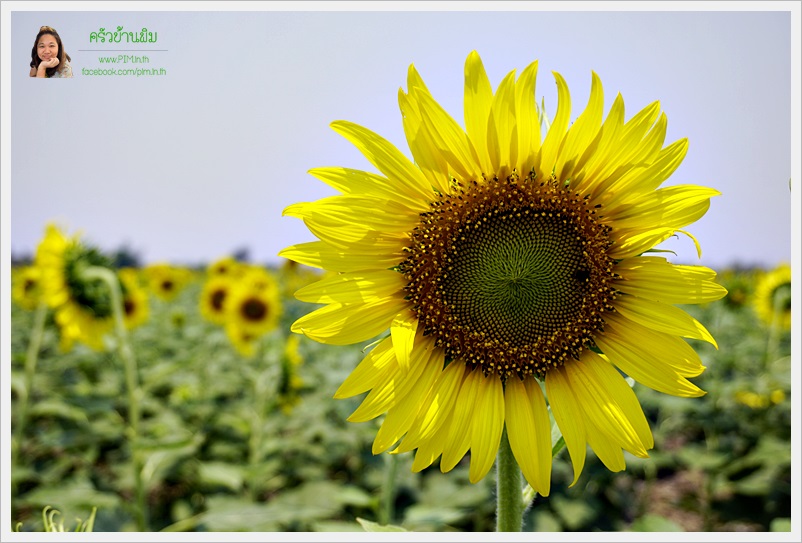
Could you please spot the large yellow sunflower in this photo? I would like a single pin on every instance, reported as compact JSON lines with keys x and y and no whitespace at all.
{"x":772,"y":299}
{"x":82,"y":308}
{"x":507,"y":263}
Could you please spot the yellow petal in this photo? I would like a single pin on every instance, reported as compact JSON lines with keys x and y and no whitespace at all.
{"x":502,"y":138}
{"x":607,"y":450}
{"x":402,"y":332}
{"x":452,"y":143}
{"x":423,"y":149}
{"x":601,"y":408}
{"x":674,"y":351}
{"x":436,"y":409}
{"x":662,"y":317}
{"x":343,"y":324}
{"x":386,"y":157}
{"x":388,"y":393}
{"x":400,"y":417}
{"x":640,"y":366}
{"x":487,"y":424}
{"x":654,"y":278}
{"x":527,"y":119}
{"x":319,"y":254}
{"x":569,"y":417}
{"x":674,"y":207}
{"x":554,"y":137}
{"x":611,"y":380}
{"x":582,"y":132}
{"x":478,"y":99}
{"x":529,"y":432}
{"x":353,"y":287}
{"x":459,"y":430}
{"x":378,"y":364}
{"x":350,"y":181}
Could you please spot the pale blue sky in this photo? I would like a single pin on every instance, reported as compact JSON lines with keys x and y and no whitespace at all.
{"x":189,"y":166}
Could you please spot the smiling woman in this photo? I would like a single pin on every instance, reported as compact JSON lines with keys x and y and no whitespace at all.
{"x":48,"y":58}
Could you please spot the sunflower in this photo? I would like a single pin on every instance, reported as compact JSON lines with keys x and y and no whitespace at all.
{"x":772,"y":299}
{"x":213,"y":296}
{"x":136,"y":309}
{"x":166,"y":281}
{"x":252,"y":308}
{"x":227,"y":265}
{"x":506,"y":264}
{"x":26,"y":289}
{"x":82,"y":308}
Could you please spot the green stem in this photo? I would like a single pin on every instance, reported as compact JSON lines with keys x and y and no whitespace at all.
{"x":387,"y":499}
{"x":32,"y":356}
{"x":132,"y":385}
{"x":509,"y":505}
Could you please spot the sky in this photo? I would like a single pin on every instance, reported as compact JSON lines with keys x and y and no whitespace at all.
{"x":189,"y":166}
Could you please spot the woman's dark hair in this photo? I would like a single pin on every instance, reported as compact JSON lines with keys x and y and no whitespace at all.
{"x":62,"y":54}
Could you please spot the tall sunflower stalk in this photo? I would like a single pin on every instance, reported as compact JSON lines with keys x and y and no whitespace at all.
{"x":134,"y":393}
{"x":31,"y":358}
{"x":86,"y":296}
{"x":511,"y":264}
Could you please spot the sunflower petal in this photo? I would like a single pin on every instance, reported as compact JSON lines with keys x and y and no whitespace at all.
{"x":662,"y":317}
{"x":529,"y":432}
{"x":478,"y":100}
{"x":527,"y":119}
{"x":379,"y":363}
{"x":569,"y":417}
{"x":343,"y":324}
{"x":387,"y":158}
{"x":402,"y":331}
{"x":487,"y":424}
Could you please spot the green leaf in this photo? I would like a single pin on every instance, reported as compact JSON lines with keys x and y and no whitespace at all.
{"x":780,"y":525}
{"x":655,"y":523}
{"x":221,"y":474}
{"x":369,"y":526}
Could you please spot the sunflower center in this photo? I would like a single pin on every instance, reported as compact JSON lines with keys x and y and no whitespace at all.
{"x":29,"y":285}
{"x":510,"y":276}
{"x":516,"y":276}
{"x":92,"y":295}
{"x":129,"y":306}
{"x":167,"y":285}
{"x":254,"y":310}
{"x":217,"y":299}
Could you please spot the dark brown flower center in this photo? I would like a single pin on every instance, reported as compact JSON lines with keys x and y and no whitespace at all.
{"x":217,"y":298}
{"x":254,"y":309}
{"x":510,"y":276}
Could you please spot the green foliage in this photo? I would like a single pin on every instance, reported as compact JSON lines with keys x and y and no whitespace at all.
{"x":222,"y":455}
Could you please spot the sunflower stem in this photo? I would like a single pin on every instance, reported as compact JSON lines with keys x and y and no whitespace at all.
{"x":132,"y":385}
{"x":31,"y":357}
{"x":387,"y":500}
{"x":509,"y":504}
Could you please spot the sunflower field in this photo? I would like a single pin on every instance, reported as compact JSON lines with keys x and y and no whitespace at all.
{"x":226,"y":420}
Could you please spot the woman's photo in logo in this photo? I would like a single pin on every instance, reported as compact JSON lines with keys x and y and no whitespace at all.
{"x":48,"y":57}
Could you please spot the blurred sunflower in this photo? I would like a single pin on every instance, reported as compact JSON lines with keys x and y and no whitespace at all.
{"x":26,"y":289}
{"x":252,"y":308}
{"x":772,"y":299}
{"x":166,"y":281}
{"x":82,"y":307}
{"x":213,"y":296}
{"x":227,"y":265}
{"x":499,"y":263}
{"x":136,"y":309}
